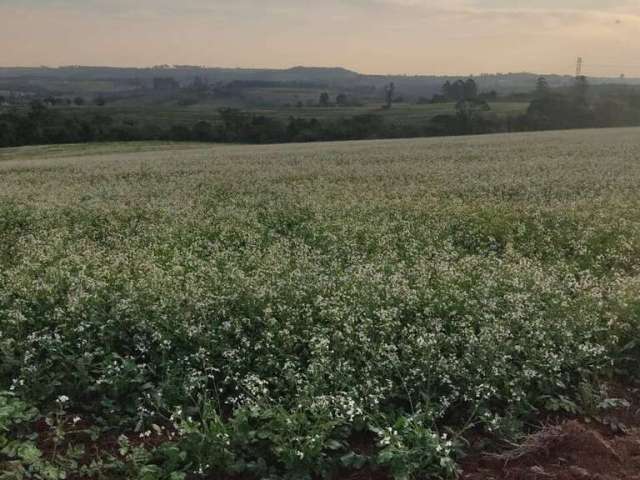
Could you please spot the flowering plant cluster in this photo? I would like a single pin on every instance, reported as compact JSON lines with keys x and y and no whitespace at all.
{"x":257,"y":310}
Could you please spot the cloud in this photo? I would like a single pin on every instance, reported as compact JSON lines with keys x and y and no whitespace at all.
{"x":483,"y":10}
{"x":379,"y":36}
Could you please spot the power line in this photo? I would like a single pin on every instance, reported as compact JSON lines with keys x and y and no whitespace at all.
{"x":615,"y":65}
{"x":580,"y":66}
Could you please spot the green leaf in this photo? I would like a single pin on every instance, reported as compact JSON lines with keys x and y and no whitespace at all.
{"x":334,"y":445}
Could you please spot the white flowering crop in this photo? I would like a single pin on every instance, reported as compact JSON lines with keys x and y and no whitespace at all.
{"x":352,"y":282}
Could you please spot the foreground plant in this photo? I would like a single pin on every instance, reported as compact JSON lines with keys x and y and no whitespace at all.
{"x":293,"y":312}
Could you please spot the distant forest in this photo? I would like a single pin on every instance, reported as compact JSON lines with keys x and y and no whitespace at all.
{"x":38,"y":119}
{"x":410,"y":85}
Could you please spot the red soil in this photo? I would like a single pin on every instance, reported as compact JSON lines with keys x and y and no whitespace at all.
{"x":573,"y":450}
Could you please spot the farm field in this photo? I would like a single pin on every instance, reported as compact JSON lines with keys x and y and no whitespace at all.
{"x":172,"y":311}
{"x":166,"y":115}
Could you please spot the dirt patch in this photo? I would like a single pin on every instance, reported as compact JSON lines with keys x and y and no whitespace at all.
{"x":572,"y":451}
{"x":603,"y":448}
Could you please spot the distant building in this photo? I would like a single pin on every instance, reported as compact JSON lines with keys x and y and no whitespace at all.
{"x":165,"y":84}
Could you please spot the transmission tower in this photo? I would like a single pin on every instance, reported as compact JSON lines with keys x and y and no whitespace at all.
{"x":579,"y":67}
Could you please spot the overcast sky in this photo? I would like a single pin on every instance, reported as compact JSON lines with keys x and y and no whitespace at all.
{"x":370,"y":36}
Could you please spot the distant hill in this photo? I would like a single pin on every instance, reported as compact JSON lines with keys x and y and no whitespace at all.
{"x":417,"y":85}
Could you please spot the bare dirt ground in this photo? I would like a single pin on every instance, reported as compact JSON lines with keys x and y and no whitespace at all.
{"x":607,"y":448}
{"x":572,"y":451}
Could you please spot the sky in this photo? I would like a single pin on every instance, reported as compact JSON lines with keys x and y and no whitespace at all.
{"x":369,"y":36}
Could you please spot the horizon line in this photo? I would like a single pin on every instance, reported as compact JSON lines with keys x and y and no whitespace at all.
{"x":283,"y":69}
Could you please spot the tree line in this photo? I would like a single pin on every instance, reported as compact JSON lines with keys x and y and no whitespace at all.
{"x":41,"y":125}
{"x":549,"y":109}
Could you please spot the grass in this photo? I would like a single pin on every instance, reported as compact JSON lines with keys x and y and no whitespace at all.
{"x":89,"y":149}
{"x":168,"y":114}
{"x":257,"y":310}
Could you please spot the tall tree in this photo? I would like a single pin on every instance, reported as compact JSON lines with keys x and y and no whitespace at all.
{"x":580,"y":89}
{"x":324,"y":99}
{"x":342,"y":99}
{"x":446,"y":90}
{"x":470,"y":89}
{"x":457,"y":90}
{"x":389,"y":92}
{"x":542,"y":87}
